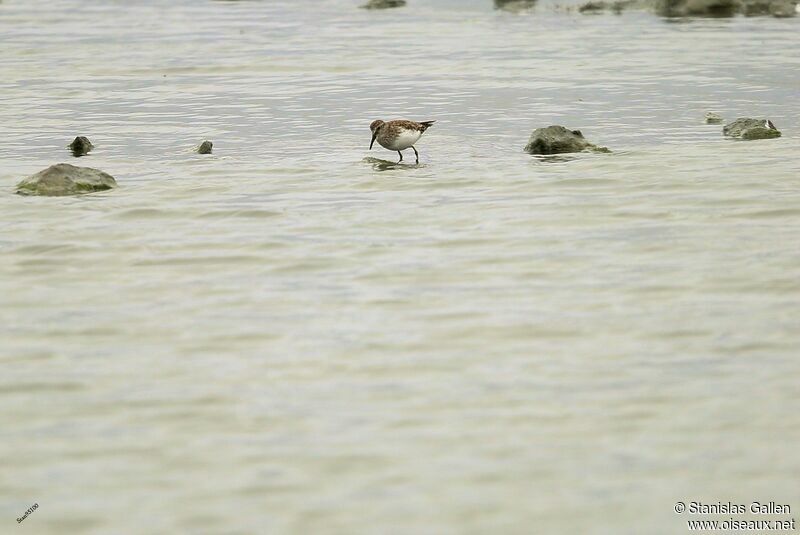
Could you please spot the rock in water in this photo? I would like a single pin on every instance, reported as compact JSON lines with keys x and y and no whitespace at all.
{"x":776,"y":8}
{"x":724,"y":8}
{"x":205,"y":147}
{"x":65,"y":179}
{"x":761,"y":132}
{"x":784,"y":9}
{"x":558,"y":139}
{"x":80,"y":146}
{"x":383,"y":4}
{"x":514,"y":5}
{"x":713,"y":118}
{"x":702,"y":8}
{"x":616,"y":7}
{"x":747,"y":128}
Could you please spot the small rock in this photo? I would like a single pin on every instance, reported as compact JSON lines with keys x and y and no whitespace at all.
{"x":80,"y":146}
{"x":592,"y":7}
{"x":383,"y":4}
{"x":514,"y":5}
{"x":65,"y":179}
{"x":713,"y":118}
{"x":558,"y":139}
{"x":205,"y":147}
{"x":748,"y":128}
{"x":616,"y":7}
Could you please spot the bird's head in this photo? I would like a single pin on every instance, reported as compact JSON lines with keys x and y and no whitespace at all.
{"x":374,"y":126}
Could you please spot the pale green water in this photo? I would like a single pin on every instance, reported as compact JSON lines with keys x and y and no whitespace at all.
{"x":284,"y":338}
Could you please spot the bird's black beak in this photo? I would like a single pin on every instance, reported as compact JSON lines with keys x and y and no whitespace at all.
{"x":373,"y":140}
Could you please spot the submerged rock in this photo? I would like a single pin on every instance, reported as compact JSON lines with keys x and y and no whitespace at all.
{"x":205,"y":147}
{"x":65,"y":179}
{"x":80,"y":146}
{"x":747,"y":128}
{"x":383,"y":4}
{"x":713,"y":118}
{"x":558,"y":139}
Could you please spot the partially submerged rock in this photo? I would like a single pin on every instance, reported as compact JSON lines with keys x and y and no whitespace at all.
{"x":713,"y":118}
{"x":65,"y":179}
{"x":616,"y":7}
{"x":725,"y":8}
{"x":761,"y":132}
{"x":784,"y":9}
{"x":205,"y":147}
{"x":514,"y":5}
{"x":748,"y":128}
{"x":703,"y":8}
{"x":776,"y":8}
{"x":558,"y":139}
{"x":80,"y":146}
{"x":383,"y":4}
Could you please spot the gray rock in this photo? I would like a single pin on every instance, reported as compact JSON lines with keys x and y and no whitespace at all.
{"x":748,"y":128}
{"x":205,"y":147}
{"x":558,"y":139}
{"x":80,"y":146}
{"x":383,"y":4}
{"x":713,"y":118}
{"x":65,"y":179}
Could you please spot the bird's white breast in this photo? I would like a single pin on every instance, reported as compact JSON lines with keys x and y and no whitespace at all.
{"x":405,"y":139}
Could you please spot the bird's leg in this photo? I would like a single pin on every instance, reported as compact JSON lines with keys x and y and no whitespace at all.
{"x":416,"y":153}
{"x":401,"y":156}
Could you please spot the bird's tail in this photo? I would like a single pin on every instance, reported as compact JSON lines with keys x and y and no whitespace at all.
{"x":426,"y":124}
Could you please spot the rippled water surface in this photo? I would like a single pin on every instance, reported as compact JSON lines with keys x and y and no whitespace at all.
{"x":294,"y":335}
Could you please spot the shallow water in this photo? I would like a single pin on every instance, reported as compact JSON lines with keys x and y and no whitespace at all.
{"x":296,"y":335}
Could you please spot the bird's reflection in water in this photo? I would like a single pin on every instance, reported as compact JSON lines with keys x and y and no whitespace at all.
{"x":385,"y":165}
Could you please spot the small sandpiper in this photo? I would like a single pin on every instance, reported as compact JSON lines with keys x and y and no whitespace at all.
{"x":398,"y":135}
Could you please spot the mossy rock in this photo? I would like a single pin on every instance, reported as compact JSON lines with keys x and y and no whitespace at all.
{"x":80,"y":146}
{"x":760,"y":132}
{"x":514,"y":5}
{"x":749,"y":128}
{"x":65,"y":179}
{"x":204,"y":147}
{"x":383,"y":4}
{"x":558,"y":139}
